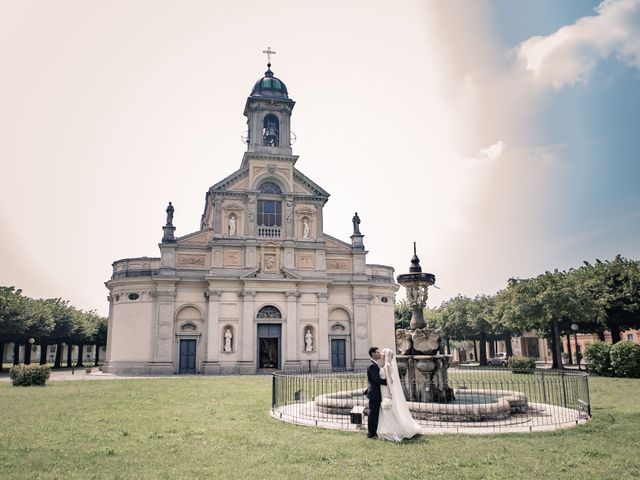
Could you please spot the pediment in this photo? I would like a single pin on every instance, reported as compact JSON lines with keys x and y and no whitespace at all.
{"x":197,"y":238}
{"x":304,"y":183}
{"x":237,"y":180}
{"x":334,"y":244}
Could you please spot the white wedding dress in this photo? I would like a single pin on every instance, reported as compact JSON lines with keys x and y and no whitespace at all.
{"x":395,"y":423}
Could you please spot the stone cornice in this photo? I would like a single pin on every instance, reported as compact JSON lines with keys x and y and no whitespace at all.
{"x":311,"y":185}
{"x":230,"y":180}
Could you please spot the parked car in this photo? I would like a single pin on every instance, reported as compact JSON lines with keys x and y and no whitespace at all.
{"x":500,"y":358}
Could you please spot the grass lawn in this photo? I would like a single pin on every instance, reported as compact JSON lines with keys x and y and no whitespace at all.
{"x":219,"y":427}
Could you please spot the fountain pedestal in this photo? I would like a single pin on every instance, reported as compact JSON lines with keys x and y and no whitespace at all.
{"x":422,"y":363}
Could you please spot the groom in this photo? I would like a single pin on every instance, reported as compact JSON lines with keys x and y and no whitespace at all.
{"x":373,"y":391}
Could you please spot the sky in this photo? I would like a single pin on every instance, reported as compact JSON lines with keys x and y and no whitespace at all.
{"x":501,"y":136}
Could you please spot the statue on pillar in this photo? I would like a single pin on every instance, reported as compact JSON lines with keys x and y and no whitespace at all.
{"x":356,"y":224}
{"x":168,"y":229}
{"x":170,"y":211}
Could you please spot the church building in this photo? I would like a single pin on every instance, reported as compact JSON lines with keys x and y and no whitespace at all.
{"x":260,"y":286}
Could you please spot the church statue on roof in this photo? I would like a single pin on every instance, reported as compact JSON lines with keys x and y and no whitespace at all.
{"x":260,"y":286}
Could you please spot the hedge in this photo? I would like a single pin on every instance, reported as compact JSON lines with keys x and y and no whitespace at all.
{"x":27,"y":375}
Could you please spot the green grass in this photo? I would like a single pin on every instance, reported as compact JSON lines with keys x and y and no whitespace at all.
{"x":219,"y":427}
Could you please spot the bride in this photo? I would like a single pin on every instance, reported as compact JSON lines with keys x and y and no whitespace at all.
{"x":395,"y":421}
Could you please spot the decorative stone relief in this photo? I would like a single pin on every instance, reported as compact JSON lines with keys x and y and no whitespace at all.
{"x":306,"y":261}
{"x":270,"y":259}
{"x":232,"y":258}
{"x":338,"y":264}
{"x":191,"y":260}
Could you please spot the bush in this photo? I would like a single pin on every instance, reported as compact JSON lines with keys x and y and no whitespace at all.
{"x":27,"y":375}
{"x":523,"y":364}
{"x":625,"y":359}
{"x":598,"y":355}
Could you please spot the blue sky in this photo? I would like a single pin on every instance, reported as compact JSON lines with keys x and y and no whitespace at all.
{"x":598,"y":125}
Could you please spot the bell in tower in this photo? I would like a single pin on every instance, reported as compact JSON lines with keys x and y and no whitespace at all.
{"x":271,"y":131}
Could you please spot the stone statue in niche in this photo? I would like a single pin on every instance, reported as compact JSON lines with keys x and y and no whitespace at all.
{"x":228,"y":336}
{"x":232,"y":225}
{"x":308,"y":341}
{"x":305,"y":229}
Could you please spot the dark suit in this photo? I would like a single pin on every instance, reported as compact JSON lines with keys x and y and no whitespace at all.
{"x":374,"y":395}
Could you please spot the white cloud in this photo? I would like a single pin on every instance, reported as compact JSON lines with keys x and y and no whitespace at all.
{"x":570,"y":54}
{"x":494,"y":151}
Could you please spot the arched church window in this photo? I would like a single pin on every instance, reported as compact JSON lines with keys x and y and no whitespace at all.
{"x":271,"y":131}
{"x":269,"y":311}
{"x":271,"y":188}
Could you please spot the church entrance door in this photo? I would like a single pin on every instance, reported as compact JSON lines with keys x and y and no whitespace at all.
{"x":187,"y":356}
{"x":338,"y":353}
{"x":269,"y":343}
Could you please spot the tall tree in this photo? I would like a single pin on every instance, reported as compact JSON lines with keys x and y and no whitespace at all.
{"x":12,"y":321}
{"x":615,"y":287}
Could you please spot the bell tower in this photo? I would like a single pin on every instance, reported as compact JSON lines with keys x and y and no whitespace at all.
{"x":268,"y":111}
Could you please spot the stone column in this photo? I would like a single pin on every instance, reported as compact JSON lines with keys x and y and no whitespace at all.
{"x":361,"y":333}
{"x":319,"y":226}
{"x":252,"y":209}
{"x":212,"y":338}
{"x":293,"y":331}
{"x":164,"y":334}
{"x":246,"y":334}
{"x":107,"y":360}
{"x":322,"y":341}
{"x":288,"y":217}
{"x":217,"y":219}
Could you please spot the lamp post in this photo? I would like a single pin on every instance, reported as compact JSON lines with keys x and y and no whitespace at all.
{"x":574,"y":328}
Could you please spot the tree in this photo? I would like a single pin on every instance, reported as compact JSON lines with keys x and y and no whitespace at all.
{"x":614,"y":285}
{"x":549,"y":304}
{"x":12,"y":322}
{"x":463,"y":318}
{"x":39,"y":321}
{"x":100,"y":338}
{"x":402,"y":312}
{"x":66,"y":321}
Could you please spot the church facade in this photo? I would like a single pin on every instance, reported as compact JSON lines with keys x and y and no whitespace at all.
{"x":260,"y":286}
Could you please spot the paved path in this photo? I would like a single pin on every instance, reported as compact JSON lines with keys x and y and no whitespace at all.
{"x":80,"y":374}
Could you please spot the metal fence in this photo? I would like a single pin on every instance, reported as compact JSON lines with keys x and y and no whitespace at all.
{"x":497,"y":398}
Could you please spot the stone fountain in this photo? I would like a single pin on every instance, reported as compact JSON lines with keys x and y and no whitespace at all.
{"x":422,"y":363}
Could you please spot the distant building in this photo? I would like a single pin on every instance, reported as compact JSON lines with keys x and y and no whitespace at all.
{"x":260,"y":286}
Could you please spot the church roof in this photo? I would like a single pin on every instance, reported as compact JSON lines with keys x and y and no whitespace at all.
{"x":269,"y":86}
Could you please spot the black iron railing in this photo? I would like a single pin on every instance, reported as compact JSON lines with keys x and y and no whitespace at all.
{"x":484,"y":397}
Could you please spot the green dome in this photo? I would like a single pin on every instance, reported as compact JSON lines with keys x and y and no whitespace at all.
{"x":270,"y":86}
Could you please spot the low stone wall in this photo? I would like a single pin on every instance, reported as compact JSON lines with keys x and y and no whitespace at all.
{"x":508,"y":402}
